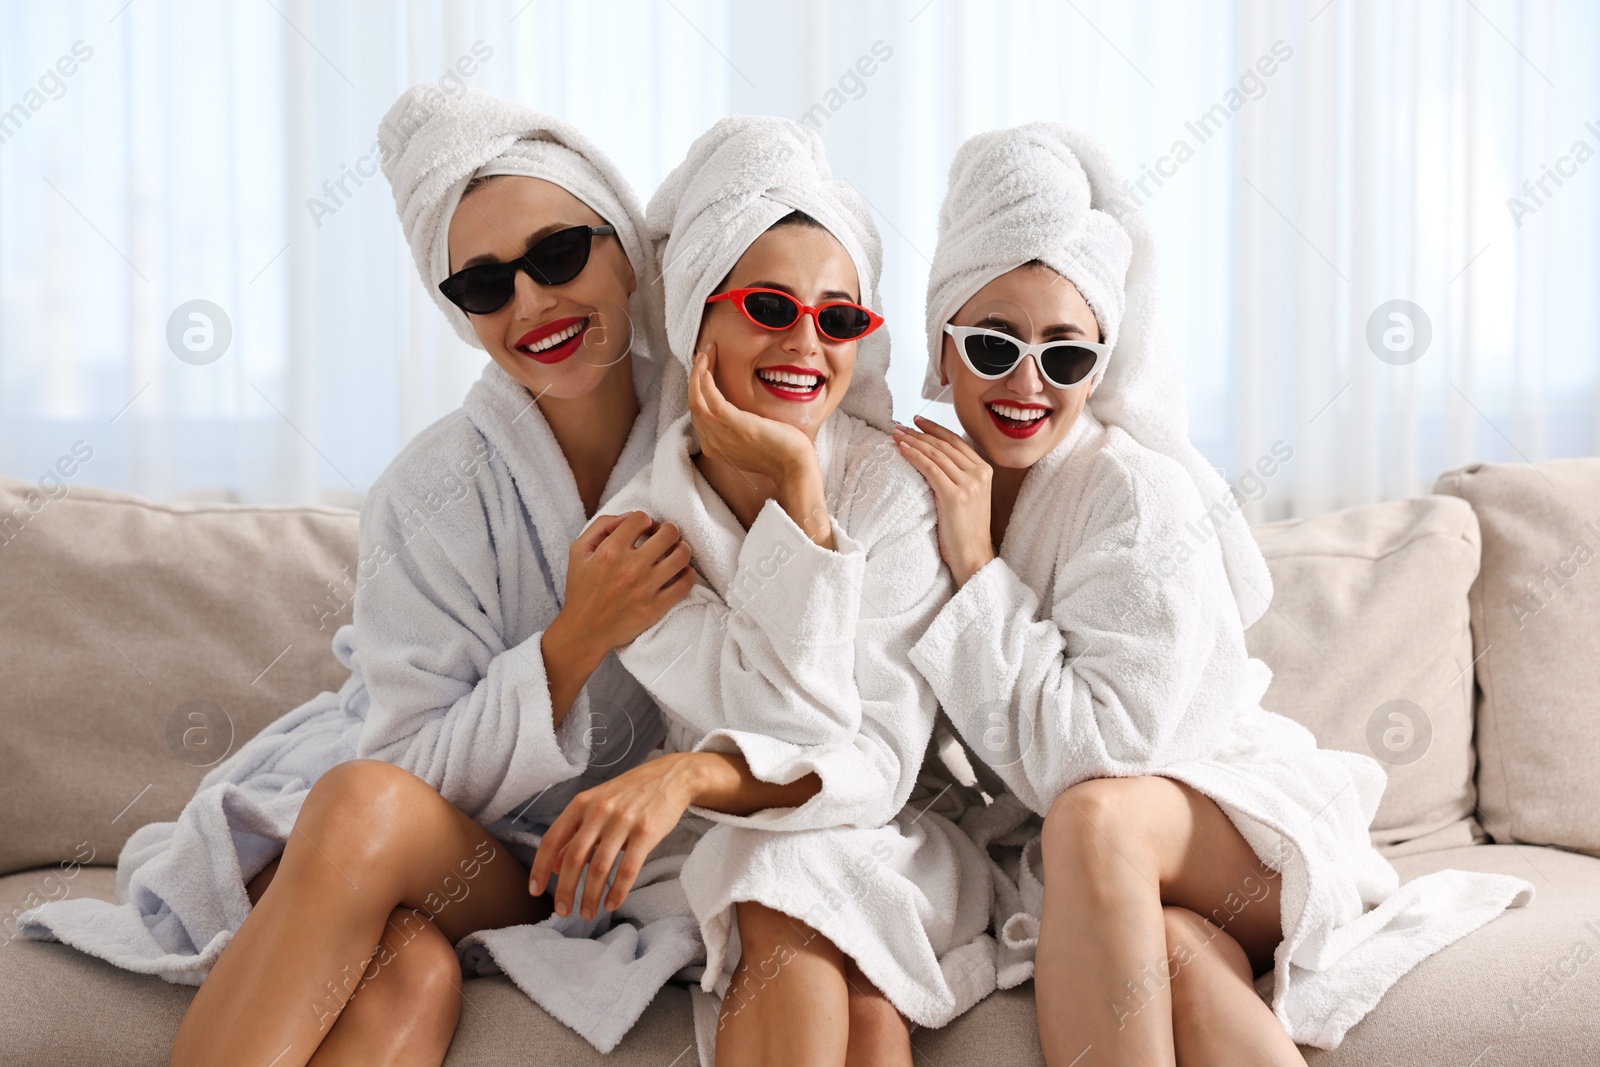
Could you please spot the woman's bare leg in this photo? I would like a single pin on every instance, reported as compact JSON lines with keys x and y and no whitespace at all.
{"x":1116,"y":850}
{"x":405,"y":1008}
{"x":787,"y":1002}
{"x":371,"y":838}
{"x":1215,"y":1009}
{"x":879,"y":1034}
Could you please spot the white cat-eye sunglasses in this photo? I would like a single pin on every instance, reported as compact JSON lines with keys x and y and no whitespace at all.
{"x":991,"y":354}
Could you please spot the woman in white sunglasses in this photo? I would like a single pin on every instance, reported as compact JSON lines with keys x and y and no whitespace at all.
{"x":1094,"y":658}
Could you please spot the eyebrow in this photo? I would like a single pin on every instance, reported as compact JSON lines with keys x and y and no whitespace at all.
{"x":827,"y":295}
{"x":538,"y":235}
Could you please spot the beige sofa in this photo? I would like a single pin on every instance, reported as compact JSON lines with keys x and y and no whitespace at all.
{"x":1456,"y":636}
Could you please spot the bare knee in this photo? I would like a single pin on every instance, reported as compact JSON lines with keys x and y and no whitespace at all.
{"x":870,"y":1010}
{"x":408,"y":997}
{"x":415,"y":965}
{"x":365,"y":807}
{"x":1099,"y":827}
{"x":1199,"y":950}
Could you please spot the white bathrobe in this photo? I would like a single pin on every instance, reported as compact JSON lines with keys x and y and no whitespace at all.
{"x":794,"y":656}
{"x":463,"y":559}
{"x":1084,"y":651}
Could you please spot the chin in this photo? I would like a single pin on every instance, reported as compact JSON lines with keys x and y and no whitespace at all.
{"x":804,"y":421}
{"x":806,"y":417}
{"x":569,"y":381}
{"x":1004,"y":452}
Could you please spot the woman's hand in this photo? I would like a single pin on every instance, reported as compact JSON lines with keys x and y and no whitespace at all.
{"x":960,"y":480}
{"x":748,"y":441}
{"x":629,"y":814}
{"x":632,"y":812}
{"x":780,"y":452}
{"x":618,"y":586}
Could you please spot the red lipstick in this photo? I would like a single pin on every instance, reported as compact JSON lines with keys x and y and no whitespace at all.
{"x":579,"y":324}
{"x":791,"y":392}
{"x":1014,"y":428}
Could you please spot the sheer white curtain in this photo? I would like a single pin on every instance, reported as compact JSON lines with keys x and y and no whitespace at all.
{"x":1305,"y":164}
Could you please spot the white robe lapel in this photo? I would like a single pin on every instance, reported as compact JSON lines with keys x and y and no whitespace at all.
{"x":1032,"y":543}
{"x":506,"y":413}
{"x":679,"y":493}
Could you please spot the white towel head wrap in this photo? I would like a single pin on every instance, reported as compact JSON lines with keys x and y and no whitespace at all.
{"x":438,"y":137}
{"x":1050,"y":192}
{"x":741,"y":176}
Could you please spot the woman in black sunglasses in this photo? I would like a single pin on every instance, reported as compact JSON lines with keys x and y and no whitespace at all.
{"x":403,"y":811}
{"x":1186,"y":841}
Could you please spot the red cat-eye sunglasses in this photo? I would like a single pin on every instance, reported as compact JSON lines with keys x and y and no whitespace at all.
{"x":773,"y":309}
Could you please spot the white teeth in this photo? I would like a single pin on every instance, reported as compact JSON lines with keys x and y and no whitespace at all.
{"x":556,"y":338}
{"x":1019,"y":414}
{"x":801,"y":382}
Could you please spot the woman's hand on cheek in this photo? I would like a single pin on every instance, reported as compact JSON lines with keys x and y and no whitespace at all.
{"x":960,"y":480}
{"x":781,"y":452}
{"x":748,"y":441}
{"x":627,"y":816}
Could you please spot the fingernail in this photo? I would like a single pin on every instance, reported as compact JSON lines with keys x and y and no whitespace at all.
{"x":561,"y":909}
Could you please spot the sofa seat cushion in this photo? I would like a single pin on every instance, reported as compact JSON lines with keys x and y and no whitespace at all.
{"x":1370,"y":646}
{"x":1521,"y":990}
{"x":1536,"y":627}
{"x":68,"y":1009}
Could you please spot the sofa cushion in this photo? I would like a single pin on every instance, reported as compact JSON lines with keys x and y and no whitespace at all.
{"x":1520,"y":990}
{"x":1536,"y":628}
{"x":68,"y":1009}
{"x":142,"y":642}
{"x":1370,"y":647}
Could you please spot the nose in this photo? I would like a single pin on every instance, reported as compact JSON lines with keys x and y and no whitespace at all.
{"x":1025,"y":379}
{"x":802,"y":338}
{"x":529,"y":299}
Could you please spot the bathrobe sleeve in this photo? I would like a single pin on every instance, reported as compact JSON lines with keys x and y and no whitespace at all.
{"x":454,"y":699}
{"x":777,"y":650}
{"x":1118,"y":674}
{"x":803,"y":669}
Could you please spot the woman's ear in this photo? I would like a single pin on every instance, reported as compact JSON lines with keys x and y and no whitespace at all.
{"x":633,"y":282}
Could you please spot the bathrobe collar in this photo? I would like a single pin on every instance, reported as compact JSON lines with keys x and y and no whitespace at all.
{"x":1027,"y":540}
{"x":679,"y":493}
{"x":505,"y":413}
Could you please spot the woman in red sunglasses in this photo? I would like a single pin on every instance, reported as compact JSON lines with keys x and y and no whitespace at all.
{"x":1186,"y":843}
{"x":783,"y":675}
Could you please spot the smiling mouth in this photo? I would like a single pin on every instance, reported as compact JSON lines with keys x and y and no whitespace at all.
{"x":792,"y":383}
{"x":1015,"y":420}
{"x":554,"y":341}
